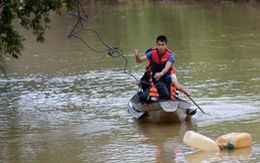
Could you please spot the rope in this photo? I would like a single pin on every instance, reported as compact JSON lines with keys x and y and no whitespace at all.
{"x":74,"y":30}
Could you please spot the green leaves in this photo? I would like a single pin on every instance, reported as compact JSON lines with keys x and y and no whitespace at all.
{"x":32,"y":14}
{"x":10,"y":40}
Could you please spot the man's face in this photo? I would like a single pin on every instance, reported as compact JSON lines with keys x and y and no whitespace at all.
{"x":161,"y":47}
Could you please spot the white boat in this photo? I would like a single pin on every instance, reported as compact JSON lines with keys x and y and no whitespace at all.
{"x":169,"y":111}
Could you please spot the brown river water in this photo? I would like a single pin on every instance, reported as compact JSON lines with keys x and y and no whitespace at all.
{"x":63,"y":102}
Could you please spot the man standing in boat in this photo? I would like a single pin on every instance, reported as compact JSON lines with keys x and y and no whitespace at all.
{"x":161,"y":59}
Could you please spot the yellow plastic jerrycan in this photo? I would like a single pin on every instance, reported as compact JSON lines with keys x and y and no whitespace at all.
{"x":200,"y":142}
{"x":234,"y":140}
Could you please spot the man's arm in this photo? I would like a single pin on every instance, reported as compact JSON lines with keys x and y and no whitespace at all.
{"x":138,"y":58}
{"x":180,"y":88}
{"x":167,"y":67}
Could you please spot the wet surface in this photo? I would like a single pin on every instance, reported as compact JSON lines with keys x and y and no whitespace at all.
{"x":63,"y":102}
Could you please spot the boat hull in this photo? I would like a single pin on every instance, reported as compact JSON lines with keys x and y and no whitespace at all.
{"x":170,"y":111}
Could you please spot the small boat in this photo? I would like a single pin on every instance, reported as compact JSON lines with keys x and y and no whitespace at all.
{"x":169,"y":111}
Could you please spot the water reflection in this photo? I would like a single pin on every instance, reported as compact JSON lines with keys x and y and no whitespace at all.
{"x":64,"y":103}
{"x":244,"y":154}
{"x":166,"y":138}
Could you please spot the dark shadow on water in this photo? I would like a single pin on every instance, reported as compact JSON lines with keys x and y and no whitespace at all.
{"x":166,"y":138}
{"x":161,"y":132}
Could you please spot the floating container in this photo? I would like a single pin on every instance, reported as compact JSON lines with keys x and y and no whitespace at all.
{"x":234,"y":140}
{"x":200,"y":142}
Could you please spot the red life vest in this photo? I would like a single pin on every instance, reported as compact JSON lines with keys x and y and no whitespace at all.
{"x":158,"y":62}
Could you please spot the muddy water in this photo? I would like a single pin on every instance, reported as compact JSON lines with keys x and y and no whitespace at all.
{"x":64,"y":102}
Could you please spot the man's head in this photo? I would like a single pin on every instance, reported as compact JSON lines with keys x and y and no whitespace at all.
{"x":161,"y":38}
{"x":161,"y":43}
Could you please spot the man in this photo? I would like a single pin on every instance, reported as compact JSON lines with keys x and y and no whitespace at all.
{"x":151,"y":95}
{"x":161,"y":59}
{"x":177,"y":85}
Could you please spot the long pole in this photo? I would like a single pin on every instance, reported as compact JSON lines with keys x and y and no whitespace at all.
{"x":196,"y":104}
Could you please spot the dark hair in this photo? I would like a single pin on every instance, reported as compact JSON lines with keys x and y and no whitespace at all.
{"x":161,"y":38}
{"x":148,"y":50}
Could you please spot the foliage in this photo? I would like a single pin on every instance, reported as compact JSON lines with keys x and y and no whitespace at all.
{"x":31,"y":14}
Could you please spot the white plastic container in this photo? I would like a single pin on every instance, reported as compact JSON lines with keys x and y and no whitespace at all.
{"x":200,"y":142}
{"x":234,"y":140}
